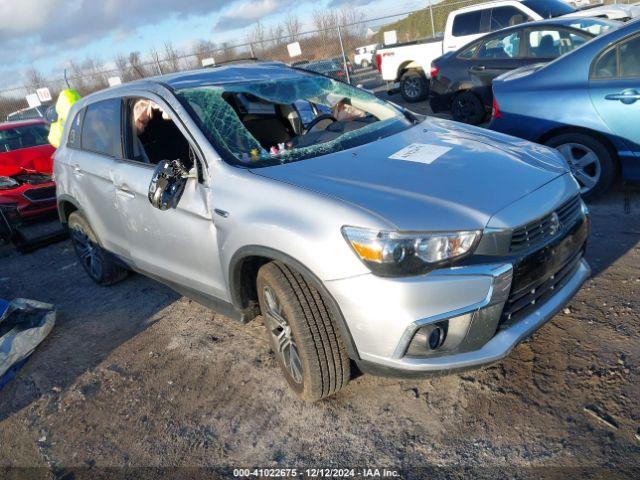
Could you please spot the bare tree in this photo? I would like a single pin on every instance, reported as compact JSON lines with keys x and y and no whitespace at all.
{"x":137,"y":67}
{"x":293,"y":26}
{"x":204,"y":49}
{"x":35,"y":79}
{"x":257,"y":36}
{"x":122,"y":64}
{"x":171,"y":57}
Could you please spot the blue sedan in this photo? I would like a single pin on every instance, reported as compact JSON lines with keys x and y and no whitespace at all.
{"x":586,"y":104}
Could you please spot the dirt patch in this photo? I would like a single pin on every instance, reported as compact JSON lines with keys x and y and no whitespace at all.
{"x":135,"y":375}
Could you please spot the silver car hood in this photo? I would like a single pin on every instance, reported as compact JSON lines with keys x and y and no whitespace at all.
{"x":480,"y":174}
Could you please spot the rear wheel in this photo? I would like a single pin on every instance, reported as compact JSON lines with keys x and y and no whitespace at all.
{"x":95,"y":260}
{"x":414,"y":86}
{"x":466,"y":107}
{"x":590,"y":161}
{"x":302,"y":333}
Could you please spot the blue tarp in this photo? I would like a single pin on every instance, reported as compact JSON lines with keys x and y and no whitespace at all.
{"x":24,"y":324}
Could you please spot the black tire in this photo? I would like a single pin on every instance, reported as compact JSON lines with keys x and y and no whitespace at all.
{"x":304,"y":327}
{"x":601,"y":172}
{"x":95,"y":260}
{"x":466,"y":107}
{"x":414,"y":86}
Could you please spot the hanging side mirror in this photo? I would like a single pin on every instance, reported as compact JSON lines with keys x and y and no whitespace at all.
{"x":167,"y":184}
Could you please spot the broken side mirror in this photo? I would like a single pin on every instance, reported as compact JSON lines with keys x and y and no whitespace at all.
{"x":167,"y":184}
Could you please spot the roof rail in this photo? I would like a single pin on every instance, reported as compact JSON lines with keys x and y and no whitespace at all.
{"x":235,"y":60}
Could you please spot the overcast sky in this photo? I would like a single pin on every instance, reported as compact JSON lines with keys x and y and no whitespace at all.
{"x":46,"y":34}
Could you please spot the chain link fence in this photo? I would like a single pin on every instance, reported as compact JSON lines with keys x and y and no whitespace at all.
{"x":333,"y":50}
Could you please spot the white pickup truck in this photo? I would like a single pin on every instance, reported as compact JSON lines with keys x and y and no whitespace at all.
{"x":408,"y":65}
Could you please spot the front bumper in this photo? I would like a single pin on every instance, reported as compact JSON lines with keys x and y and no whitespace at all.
{"x":487,"y":309}
{"x":495,"y":349}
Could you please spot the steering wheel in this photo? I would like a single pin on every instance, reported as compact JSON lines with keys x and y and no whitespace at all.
{"x":317,"y":120}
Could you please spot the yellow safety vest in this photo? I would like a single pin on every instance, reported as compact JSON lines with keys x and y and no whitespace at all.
{"x":66,"y":99}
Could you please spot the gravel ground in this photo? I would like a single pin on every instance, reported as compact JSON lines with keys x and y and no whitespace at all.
{"x":136,"y":376}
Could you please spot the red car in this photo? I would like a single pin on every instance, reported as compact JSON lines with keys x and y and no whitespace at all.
{"x":27,"y":190}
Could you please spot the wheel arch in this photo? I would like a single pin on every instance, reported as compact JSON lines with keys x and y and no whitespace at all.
{"x":243,"y":271}
{"x":409,"y":65}
{"x":568,"y":129}
{"x":66,"y":206}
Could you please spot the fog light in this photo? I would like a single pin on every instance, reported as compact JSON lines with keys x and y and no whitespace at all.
{"x":428,"y":339}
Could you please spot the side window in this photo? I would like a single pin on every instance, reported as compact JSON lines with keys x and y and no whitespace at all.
{"x":154,"y":136}
{"x":467,"y":24}
{"x":502,"y":46}
{"x":503,"y":17}
{"x":101,"y":128}
{"x":252,"y":105}
{"x":73,"y":140}
{"x":607,"y":65}
{"x":469,"y":52}
{"x":630,"y":58}
{"x":552,"y":43}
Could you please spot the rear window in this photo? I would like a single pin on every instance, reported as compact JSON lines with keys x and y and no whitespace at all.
{"x":101,"y":128}
{"x":18,"y":138}
{"x":630,"y":58}
{"x":549,"y":8}
{"x":467,"y":24}
{"x":503,"y":17}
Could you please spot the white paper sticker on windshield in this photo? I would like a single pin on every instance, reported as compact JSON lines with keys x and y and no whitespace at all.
{"x":420,"y":152}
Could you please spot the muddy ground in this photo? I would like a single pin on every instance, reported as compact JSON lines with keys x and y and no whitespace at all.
{"x":136,"y":376}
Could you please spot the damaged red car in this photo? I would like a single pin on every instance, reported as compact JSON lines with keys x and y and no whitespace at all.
{"x":27,"y":190}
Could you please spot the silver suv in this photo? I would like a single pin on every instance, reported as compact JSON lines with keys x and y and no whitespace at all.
{"x":367,"y":237}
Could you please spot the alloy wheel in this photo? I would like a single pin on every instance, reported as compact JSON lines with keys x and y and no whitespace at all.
{"x":464,"y":109}
{"x":87,"y":251}
{"x":412,"y":87}
{"x":280,"y":330}
{"x":583,"y":163}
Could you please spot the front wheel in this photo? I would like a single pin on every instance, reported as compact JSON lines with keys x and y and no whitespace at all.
{"x":590,"y":162}
{"x":414,"y":86}
{"x":304,"y":337}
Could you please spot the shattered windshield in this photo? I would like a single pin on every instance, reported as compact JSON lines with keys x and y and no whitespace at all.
{"x":270,"y":122}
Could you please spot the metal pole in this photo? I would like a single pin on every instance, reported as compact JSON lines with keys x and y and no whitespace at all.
{"x":253,"y":55}
{"x":344,"y":56}
{"x":433,"y":23}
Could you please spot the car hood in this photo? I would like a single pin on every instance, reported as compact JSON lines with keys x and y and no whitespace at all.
{"x":612,"y":12}
{"x":33,"y":160}
{"x":476,"y":174}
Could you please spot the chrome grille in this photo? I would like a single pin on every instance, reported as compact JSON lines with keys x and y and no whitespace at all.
{"x":537,"y":232}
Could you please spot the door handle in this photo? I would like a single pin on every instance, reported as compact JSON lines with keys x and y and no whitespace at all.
{"x":125,"y":192}
{"x":477,"y":68}
{"x":77,"y":170}
{"x":627,"y":97}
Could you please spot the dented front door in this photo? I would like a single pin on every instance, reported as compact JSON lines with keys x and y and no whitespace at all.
{"x":178,"y":245}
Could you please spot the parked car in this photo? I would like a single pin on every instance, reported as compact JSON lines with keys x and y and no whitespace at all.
{"x":408,"y":65}
{"x":461,"y":80}
{"x":331,"y":68}
{"x":27,"y":114}
{"x":586,"y":104}
{"x":27,"y":191}
{"x":408,"y":245}
{"x":364,"y":55}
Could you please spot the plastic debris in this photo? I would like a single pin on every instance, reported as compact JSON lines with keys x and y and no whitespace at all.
{"x":24,"y":324}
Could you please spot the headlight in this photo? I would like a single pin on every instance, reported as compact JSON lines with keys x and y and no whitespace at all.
{"x":7,"y":183}
{"x":389,"y":253}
